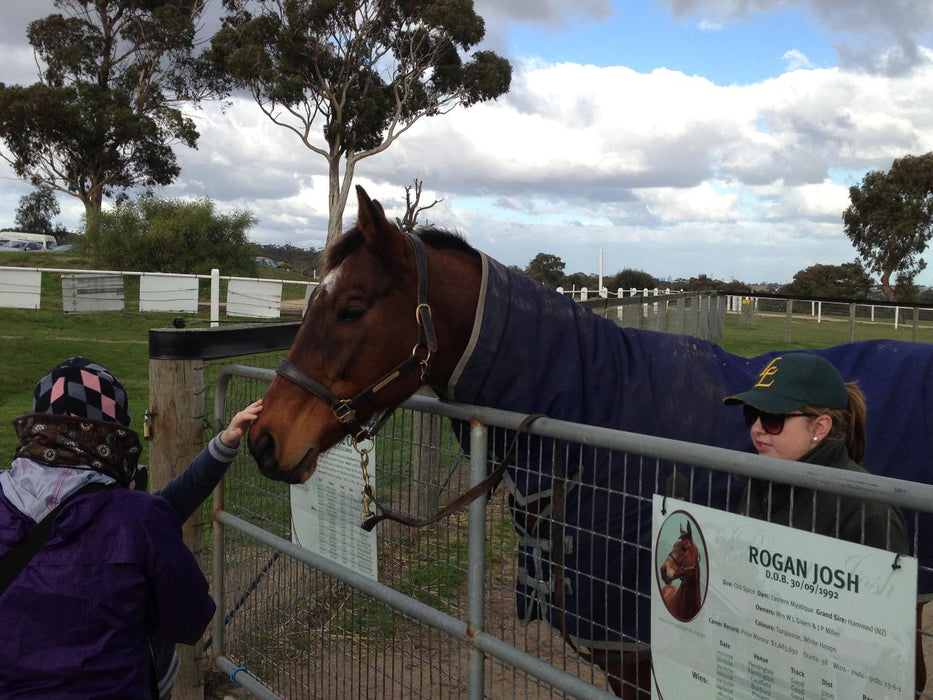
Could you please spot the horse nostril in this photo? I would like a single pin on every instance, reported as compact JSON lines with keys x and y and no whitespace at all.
{"x":263,"y":449}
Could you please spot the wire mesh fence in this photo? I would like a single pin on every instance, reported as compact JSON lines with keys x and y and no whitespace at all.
{"x":300,"y":628}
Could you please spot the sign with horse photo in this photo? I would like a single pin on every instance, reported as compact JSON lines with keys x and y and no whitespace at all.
{"x":743,"y":608}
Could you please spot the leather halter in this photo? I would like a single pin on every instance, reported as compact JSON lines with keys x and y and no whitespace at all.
{"x":345,"y":409}
{"x":681,"y":569}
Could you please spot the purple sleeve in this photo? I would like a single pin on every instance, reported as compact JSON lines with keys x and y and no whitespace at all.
{"x":187,"y":491}
{"x":182,"y":604}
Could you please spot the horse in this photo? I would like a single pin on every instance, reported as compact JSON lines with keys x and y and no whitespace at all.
{"x":683,"y":563}
{"x":395,"y":311}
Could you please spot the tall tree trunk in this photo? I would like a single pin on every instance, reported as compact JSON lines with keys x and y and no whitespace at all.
{"x":335,"y":206}
{"x":92,"y":211}
{"x":886,"y":287}
{"x":338,"y":192}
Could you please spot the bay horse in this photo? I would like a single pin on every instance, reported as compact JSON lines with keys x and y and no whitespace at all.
{"x":683,"y":563}
{"x":395,"y":311}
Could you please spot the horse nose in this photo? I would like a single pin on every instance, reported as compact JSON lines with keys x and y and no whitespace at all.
{"x":262,"y":448}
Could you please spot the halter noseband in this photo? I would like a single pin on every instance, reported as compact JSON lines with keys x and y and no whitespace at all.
{"x":345,"y":409}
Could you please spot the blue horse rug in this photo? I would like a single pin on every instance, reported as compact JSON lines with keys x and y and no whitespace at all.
{"x":535,"y":351}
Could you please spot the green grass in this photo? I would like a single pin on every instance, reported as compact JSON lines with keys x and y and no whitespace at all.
{"x":770,"y":329}
{"x":31,"y":342}
{"x":34,"y":341}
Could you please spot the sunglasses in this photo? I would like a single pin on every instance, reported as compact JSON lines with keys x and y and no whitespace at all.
{"x":772,"y":423}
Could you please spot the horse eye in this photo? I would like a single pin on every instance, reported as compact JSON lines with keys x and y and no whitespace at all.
{"x":348,"y":314}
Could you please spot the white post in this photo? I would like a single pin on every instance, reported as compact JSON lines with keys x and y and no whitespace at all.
{"x":897,"y":312}
{"x":215,"y":297}
{"x":819,"y":312}
{"x":600,"y":270}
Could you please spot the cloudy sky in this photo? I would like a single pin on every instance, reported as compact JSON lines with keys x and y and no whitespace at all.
{"x":679,"y":137}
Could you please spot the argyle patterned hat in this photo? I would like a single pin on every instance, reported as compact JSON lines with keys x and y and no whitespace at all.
{"x":81,"y":387}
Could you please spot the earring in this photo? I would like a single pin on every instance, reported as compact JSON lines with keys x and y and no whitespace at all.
{"x":815,"y":438}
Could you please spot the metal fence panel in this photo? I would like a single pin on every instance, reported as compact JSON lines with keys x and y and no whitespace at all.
{"x":441,"y":621}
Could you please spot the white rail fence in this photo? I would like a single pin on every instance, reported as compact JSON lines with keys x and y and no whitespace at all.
{"x":87,"y":291}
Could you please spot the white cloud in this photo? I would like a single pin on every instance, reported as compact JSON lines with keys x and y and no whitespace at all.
{"x":796,"y":60}
{"x":878,"y":37}
{"x":664,"y":171}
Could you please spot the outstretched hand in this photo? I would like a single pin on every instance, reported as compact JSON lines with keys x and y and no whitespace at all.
{"x":240,"y":423}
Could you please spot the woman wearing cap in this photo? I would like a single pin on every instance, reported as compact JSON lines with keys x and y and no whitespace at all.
{"x":112,"y":570}
{"x":800,"y":409}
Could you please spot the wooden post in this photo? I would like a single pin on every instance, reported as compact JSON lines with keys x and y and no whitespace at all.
{"x":425,"y":460}
{"x":176,"y":407}
{"x":852,"y":322}
{"x":680,"y":317}
{"x":788,"y":320}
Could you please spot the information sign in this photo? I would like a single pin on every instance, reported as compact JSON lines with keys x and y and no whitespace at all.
{"x":768,"y":611}
{"x":326,"y":511}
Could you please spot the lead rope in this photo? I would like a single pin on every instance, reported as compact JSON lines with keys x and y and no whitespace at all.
{"x":468,"y":496}
{"x":366,"y":493}
{"x":426,"y":339}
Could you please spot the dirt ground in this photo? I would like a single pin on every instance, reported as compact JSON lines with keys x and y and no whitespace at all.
{"x":501,"y":682}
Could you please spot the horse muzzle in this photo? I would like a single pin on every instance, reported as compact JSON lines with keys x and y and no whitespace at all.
{"x":263,"y":449}
{"x":669,"y":574}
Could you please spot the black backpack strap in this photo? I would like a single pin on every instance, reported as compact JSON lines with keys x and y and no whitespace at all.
{"x":19,"y":555}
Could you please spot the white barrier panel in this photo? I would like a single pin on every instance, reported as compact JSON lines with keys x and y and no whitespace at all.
{"x":254,"y":298}
{"x":89,"y":292}
{"x":168,"y":293}
{"x":20,"y":289}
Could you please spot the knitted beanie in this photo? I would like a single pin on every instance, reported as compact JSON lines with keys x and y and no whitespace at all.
{"x":81,"y":387}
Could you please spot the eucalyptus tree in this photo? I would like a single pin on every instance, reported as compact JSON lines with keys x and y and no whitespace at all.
{"x":37,"y":211}
{"x":348,"y":77}
{"x":890,"y":220}
{"x":105,"y":114}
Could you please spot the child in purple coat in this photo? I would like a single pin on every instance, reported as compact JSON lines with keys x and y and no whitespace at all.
{"x":78,"y":620}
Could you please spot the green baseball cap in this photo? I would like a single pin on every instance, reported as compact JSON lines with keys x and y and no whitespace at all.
{"x":790,"y":382}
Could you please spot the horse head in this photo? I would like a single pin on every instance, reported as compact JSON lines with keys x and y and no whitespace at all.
{"x":363,"y":345}
{"x":683,"y":558}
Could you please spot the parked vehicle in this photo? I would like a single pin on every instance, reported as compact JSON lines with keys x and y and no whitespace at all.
{"x":45,"y":241}
{"x":22,"y":246}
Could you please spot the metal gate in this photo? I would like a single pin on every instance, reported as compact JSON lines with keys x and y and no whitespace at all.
{"x":441,"y":621}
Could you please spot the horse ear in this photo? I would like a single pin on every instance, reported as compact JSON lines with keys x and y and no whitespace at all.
{"x":371,"y":217}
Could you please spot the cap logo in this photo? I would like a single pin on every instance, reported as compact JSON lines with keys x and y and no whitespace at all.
{"x":765,"y":378}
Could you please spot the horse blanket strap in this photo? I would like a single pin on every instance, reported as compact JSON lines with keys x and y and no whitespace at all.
{"x":462,"y":500}
{"x":12,"y":564}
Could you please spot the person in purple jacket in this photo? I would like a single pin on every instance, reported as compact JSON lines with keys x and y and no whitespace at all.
{"x":79,"y":619}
